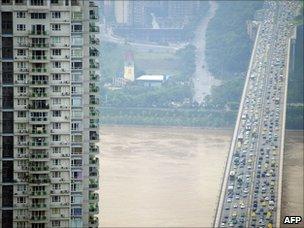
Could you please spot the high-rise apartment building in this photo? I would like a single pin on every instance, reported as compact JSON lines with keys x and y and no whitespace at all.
{"x":48,"y":113}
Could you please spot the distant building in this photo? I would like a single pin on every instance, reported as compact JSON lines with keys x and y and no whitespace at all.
{"x":151,"y":80}
{"x":122,"y":12}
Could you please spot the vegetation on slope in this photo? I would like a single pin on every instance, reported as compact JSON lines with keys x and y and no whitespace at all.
{"x":228,"y":46}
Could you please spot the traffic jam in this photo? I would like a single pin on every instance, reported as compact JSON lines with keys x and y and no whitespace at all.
{"x":252,"y":186}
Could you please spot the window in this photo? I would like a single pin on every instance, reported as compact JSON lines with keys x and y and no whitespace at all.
{"x":56,"y":77}
{"x":21,"y":77}
{"x":76,"y":101}
{"x":57,"y":64}
{"x":57,"y":113}
{"x":56,"y":27}
{"x":76,"y":65}
{"x":20,"y":14}
{"x":21,"y":89}
{"x":56,"y":198}
{"x":21,"y":39}
{"x":56,"y":162}
{"x":76,"y":113}
{"x":76,"y":211}
{"x":21,"y":188}
{"x":56,"y":223}
{"x":76,"y":126}
{"x":38,"y":15}
{"x":56,"y":101}
{"x":21,"y":199}
{"x":21,"y":114}
{"x":56,"y":14}
{"x":37,"y":2}
{"x":56,"y":186}
{"x":19,"y":2}
{"x":21,"y":52}
{"x":56,"y":51}
{"x":56,"y":138}
{"x":76,"y":40}
{"x":56,"y":39}
{"x":21,"y":27}
{"x":54,"y":1}
{"x":56,"y":89}
{"x":77,"y":28}
{"x":56,"y":174}
{"x":76,"y":77}
{"x":57,"y":150}
{"x":56,"y":125}
{"x":55,"y":211}
{"x":76,"y":53}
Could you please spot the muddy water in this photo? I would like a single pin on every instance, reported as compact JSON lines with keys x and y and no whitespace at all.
{"x":164,"y":177}
{"x":161,"y":176}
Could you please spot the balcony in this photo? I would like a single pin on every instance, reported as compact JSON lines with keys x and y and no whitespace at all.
{"x":38,"y":132}
{"x":39,"y":144}
{"x":40,"y":82}
{"x":39,"y":120}
{"x":94,"y":28}
{"x":39,"y":70}
{"x":39,"y":168}
{"x":38,"y":95}
{"x":38,"y":33}
{"x":93,"y":196}
{"x":94,"y":77}
{"x":41,"y":180}
{"x":94,"y":52}
{"x":39,"y":58}
{"x":94,"y":123}
{"x":94,"y":40}
{"x":38,"y":206}
{"x":94,"y":101}
{"x":93,"y":173}
{"x":93,"y":208}
{"x":92,"y":4}
{"x":94,"y":136}
{"x":38,"y":218}
{"x":94,"y":150}
{"x":94,"y":88}
{"x":77,"y":16}
{"x":94,"y":16}
{"x":39,"y":45}
{"x":38,"y":107}
{"x":93,"y":221}
{"x":39,"y":193}
{"x":94,"y":64}
{"x":94,"y":113}
{"x":93,"y":184}
{"x":94,"y":161}
{"x":42,"y":156}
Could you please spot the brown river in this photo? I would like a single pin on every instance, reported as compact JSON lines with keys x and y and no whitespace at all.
{"x":170,"y":177}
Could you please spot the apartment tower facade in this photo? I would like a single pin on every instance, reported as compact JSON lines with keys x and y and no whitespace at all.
{"x":49,"y":115}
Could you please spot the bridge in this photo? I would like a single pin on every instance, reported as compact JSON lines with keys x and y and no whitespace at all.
{"x":252,"y":184}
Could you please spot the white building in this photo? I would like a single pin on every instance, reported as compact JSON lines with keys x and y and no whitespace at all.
{"x":151,"y":80}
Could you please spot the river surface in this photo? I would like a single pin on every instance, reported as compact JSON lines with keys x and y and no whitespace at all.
{"x":165,"y":177}
{"x":161,"y":177}
{"x":203,"y":80}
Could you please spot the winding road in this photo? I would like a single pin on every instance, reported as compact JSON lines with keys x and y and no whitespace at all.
{"x":202,"y":79}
